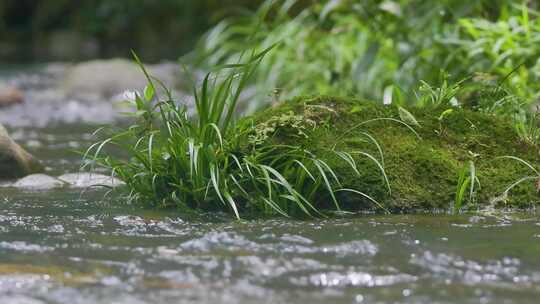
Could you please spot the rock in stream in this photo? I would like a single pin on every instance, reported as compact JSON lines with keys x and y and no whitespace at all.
{"x":72,"y":180}
{"x":14,"y":160}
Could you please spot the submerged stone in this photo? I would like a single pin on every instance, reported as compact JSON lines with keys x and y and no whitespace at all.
{"x":73,"y":180}
{"x":38,"y":182}
{"x":88,"y":179}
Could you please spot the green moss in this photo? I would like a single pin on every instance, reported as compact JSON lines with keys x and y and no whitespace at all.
{"x":422,"y":172}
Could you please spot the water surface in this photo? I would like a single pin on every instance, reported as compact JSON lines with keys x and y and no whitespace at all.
{"x":68,"y":248}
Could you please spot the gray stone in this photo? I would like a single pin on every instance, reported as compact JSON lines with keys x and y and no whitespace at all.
{"x":104,"y":78}
{"x":87,"y":179}
{"x":38,"y":182}
{"x":14,"y":160}
{"x":111,"y":77}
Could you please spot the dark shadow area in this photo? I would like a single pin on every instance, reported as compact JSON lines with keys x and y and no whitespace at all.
{"x":39,"y":30}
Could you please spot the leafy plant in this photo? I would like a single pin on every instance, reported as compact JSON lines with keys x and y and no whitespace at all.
{"x":446,"y":94}
{"x":359,"y":48}
{"x":505,"y":48}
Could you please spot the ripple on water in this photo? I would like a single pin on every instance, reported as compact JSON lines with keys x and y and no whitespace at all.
{"x":92,"y":221}
{"x":296,"y":239}
{"x":21,"y":246}
{"x":19,"y":299}
{"x":361,"y":247}
{"x":269,"y":267}
{"x":230,"y":241}
{"x":24,"y":283}
{"x":175,"y":227}
{"x":354,"y":279}
{"x":457,"y":269}
{"x":214,"y":240}
{"x":56,"y":228}
{"x":15,"y":221}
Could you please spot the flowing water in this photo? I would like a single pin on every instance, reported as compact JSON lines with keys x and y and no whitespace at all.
{"x":66,"y":246}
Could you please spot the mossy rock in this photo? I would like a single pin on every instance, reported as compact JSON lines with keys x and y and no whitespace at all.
{"x":422,"y":168}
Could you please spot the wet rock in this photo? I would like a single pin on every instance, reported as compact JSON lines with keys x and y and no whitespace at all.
{"x":108,"y":78}
{"x":52,"y":93}
{"x":38,"y":182}
{"x":10,"y":96}
{"x":14,"y":160}
{"x":105,"y":78}
{"x":74,"y":180}
{"x":87,"y":179}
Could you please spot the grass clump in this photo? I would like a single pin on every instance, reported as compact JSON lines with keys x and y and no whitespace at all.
{"x":211,"y":162}
{"x":535,"y":177}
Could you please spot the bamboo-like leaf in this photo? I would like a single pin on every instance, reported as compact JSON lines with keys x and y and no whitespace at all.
{"x":327,"y":183}
{"x":232,"y":203}
{"x":304,"y":168}
{"x":521,"y":180}
{"x":527,"y":164}
{"x":274,"y":206}
{"x":380,"y":166}
{"x":349,"y":159}
{"x":141,"y":65}
{"x":150,"y":145}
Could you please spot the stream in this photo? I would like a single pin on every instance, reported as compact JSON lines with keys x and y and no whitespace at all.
{"x":73,"y":246}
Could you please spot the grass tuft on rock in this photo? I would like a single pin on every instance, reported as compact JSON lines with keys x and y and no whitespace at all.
{"x":211,"y":162}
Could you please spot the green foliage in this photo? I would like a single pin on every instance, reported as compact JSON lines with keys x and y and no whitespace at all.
{"x":157,"y":29}
{"x":367,"y":48}
{"x":505,"y":48}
